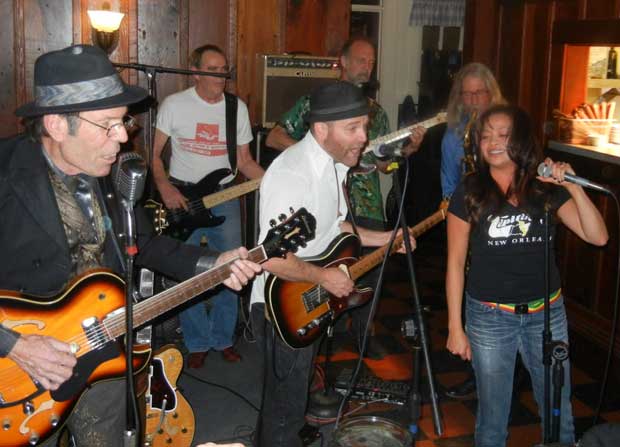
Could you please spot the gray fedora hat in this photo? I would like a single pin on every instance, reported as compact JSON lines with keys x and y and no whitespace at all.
{"x":337,"y":101}
{"x":78,"y":78}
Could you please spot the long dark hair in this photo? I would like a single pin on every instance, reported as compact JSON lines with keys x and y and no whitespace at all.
{"x":481,"y":190}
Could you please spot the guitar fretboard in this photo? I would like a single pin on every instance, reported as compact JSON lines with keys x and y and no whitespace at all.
{"x":230,"y":193}
{"x":157,"y":305}
{"x":373,"y":259}
{"x":405,"y":131}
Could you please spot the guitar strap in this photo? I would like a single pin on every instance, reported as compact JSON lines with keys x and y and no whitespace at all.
{"x":231,"y":130}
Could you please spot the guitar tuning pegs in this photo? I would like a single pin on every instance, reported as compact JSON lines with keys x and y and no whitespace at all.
{"x":282,"y":217}
{"x":272,"y":223}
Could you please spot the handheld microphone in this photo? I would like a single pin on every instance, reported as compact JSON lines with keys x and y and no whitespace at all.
{"x":544,"y":170}
{"x":387,"y":150}
{"x":129,"y":177}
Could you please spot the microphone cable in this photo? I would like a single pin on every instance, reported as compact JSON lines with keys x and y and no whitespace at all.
{"x":375,"y":300}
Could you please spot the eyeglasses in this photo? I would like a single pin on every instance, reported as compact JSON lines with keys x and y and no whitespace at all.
{"x":476,"y":94}
{"x":127,"y":122}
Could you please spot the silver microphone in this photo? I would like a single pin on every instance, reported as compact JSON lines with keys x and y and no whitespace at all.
{"x":129,"y":176}
{"x":545,"y":170}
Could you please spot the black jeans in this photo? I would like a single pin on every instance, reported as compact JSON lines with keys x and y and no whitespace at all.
{"x":98,"y":419}
{"x":286,"y":382}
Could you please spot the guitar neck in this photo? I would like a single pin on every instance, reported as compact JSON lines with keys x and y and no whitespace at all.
{"x":230,"y":193}
{"x":405,"y":131}
{"x":373,"y":259}
{"x":155,"y":306}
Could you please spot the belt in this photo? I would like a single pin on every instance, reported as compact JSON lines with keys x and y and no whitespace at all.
{"x":531,"y":307}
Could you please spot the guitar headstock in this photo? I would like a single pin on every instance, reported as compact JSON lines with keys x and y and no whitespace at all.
{"x":290,"y":234}
{"x":158,"y":212}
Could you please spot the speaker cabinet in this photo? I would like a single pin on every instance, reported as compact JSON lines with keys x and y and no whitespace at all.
{"x":284,"y":78}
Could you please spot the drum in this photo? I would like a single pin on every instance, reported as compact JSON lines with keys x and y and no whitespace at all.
{"x":370,"y":431}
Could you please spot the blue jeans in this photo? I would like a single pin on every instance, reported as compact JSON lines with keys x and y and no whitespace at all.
{"x":204,"y":330}
{"x":495,"y":337}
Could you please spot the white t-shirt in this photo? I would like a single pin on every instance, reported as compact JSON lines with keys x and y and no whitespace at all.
{"x":198,"y":134}
{"x":304,"y":175}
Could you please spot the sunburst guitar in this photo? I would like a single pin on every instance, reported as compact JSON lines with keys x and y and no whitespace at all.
{"x":90,"y":317}
{"x":300,"y":311}
{"x":169,"y":417}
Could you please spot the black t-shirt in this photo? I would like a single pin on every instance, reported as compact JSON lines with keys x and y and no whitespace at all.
{"x":507,"y":250}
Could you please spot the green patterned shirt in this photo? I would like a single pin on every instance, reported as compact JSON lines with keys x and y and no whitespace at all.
{"x":364,"y":189}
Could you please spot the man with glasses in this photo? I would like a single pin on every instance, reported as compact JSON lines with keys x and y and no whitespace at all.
{"x":473,"y":90}
{"x":59,"y":221}
{"x":208,"y":130}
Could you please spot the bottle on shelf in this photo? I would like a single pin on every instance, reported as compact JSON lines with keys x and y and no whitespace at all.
{"x":612,"y":61}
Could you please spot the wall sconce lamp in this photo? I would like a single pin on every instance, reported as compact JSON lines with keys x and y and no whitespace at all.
{"x":105,"y":25}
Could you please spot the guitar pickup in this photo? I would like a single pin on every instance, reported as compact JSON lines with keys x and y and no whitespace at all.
{"x":94,"y":332}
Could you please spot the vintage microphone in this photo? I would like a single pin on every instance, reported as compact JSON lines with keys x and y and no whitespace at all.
{"x":128,"y":178}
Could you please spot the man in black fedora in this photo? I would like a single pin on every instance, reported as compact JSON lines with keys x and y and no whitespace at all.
{"x":308,"y":174}
{"x":58,"y":221}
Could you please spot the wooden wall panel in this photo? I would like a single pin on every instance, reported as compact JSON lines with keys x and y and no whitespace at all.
{"x":511,"y":52}
{"x":567,"y":9}
{"x":480,"y":44}
{"x":259,"y":31}
{"x":318,"y":27}
{"x":8,"y":121}
{"x":48,"y":26}
{"x":601,"y":9}
{"x":533,"y":94}
{"x":159,"y":42}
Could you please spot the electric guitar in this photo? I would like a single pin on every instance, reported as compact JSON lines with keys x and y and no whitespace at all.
{"x":90,"y":316}
{"x":300,"y":311}
{"x":405,"y":132}
{"x":201,"y":198}
{"x":169,"y":417}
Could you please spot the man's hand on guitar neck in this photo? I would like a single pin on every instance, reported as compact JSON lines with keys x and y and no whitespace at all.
{"x":242,"y":270}
{"x":47,"y":360}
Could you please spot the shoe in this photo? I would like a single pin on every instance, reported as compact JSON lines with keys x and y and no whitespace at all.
{"x":196,"y":359}
{"x":464,"y":390}
{"x":230,"y":355}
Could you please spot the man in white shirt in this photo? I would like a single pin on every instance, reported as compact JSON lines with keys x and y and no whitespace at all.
{"x":308,"y":174}
{"x":195,"y":121}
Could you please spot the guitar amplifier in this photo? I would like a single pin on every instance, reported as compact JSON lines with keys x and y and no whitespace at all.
{"x":284,"y":78}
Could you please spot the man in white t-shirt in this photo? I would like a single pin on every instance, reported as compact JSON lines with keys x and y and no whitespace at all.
{"x":308,"y":174}
{"x":195,"y":121}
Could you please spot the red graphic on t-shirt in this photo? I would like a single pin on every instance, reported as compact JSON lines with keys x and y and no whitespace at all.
{"x":206,"y":142}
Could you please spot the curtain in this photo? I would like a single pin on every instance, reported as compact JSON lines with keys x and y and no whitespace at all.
{"x":437,"y":12}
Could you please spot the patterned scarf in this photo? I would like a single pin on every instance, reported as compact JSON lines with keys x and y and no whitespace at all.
{"x":85,"y":239}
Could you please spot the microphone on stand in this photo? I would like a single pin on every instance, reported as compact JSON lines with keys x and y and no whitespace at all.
{"x":545,"y":170}
{"x":129,"y":178}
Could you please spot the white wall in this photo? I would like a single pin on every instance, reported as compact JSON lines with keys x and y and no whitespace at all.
{"x":401,"y":56}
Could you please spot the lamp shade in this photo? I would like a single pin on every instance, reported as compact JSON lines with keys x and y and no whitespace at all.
{"x":105,"y":21}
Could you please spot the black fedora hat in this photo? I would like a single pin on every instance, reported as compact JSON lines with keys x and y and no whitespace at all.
{"x":77,"y":78}
{"x":337,"y":101}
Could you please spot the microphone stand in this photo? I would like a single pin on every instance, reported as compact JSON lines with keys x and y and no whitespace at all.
{"x":557,"y":350}
{"x":151,"y":72}
{"x":414,"y":398}
{"x":130,"y":436}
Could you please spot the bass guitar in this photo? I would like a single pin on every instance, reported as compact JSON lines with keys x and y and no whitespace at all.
{"x":169,"y":417}
{"x":202,"y":196}
{"x":300,"y":311}
{"x":90,"y":317}
{"x":404,"y":132}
